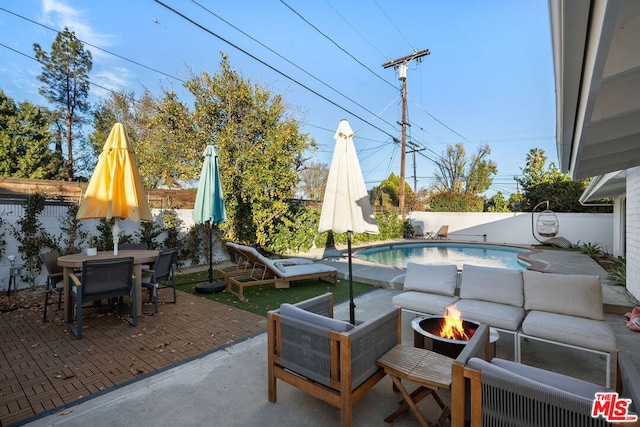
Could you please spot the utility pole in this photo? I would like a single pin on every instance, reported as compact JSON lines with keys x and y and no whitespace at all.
{"x":401,"y":65}
{"x":414,"y":150}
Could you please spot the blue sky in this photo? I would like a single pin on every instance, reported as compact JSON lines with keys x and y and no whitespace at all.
{"x":488,"y":79}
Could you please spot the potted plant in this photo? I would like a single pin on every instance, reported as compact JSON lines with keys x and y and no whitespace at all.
{"x":91,"y":250}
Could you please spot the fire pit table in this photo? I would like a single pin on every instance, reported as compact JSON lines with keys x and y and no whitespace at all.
{"x":426,"y":335}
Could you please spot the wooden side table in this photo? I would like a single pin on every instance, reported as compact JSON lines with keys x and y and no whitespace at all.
{"x":430,"y":370}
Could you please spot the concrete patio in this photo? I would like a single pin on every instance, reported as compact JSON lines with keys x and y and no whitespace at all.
{"x":229,"y":387}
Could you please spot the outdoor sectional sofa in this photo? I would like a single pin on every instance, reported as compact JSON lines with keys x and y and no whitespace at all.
{"x":555,"y":308}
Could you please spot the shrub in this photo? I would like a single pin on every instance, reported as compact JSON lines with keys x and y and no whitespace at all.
{"x":617,"y":273}
{"x":32,"y":237}
{"x":591,"y":249}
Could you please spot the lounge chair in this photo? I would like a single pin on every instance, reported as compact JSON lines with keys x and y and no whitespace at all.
{"x":244,"y":265}
{"x":278,"y":272}
{"x":244,"y":250}
{"x":442,"y":233}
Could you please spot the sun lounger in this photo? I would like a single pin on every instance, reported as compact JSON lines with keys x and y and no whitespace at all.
{"x":442,"y":233}
{"x":277,"y":272}
{"x":244,"y":257}
{"x":244,"y":250}
{"x":242,"y":264}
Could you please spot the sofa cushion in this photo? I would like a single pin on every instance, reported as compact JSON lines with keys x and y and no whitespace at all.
{"x":501,"y":316}
{"x":289,"y":310}
{"x":423,"y":302}
{"x":572,"y":330}
{"x":543,"y":377}
{"x":570,"y":294}
{"x":436,"y":279}
{"x":501,"y":285}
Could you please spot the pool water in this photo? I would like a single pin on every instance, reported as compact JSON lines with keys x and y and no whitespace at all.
{"x":446,"y":253}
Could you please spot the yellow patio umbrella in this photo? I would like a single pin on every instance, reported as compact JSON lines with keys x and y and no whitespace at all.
{"x":115,"y":189}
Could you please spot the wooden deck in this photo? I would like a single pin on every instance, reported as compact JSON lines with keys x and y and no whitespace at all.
{"x":44,"y":367}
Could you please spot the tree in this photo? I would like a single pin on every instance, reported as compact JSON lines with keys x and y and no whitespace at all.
{"x":448,"y":201}
{"x":314,"y":180}
{"x":167,"y":147}
{"x":118,"y":107}
{"x":534,"y":171}
{"x":260,"y":151}
{"x":24,"y":141}
{"x":497,"y":203}
{"x":65,"y":74}
{"x":161,"y":133}
{"x":387,"y":194}
{"x":457,"y":174}
{"x":540,"y":183}
{"x":459,"y":182}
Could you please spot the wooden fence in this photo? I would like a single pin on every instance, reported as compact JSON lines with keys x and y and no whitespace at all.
{"x":15,"y":189}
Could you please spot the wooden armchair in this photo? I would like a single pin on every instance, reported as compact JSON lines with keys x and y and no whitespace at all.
{"x":328,"y":358}
{"x":502,"y":392}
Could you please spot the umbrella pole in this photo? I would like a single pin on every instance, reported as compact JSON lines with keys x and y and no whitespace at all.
{"x":352,"y":305}
{"x":210,"y":252}
{"x":210,"y":286}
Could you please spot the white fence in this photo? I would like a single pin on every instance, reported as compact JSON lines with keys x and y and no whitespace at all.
{"x":517,"y":228}
{"x":489,"y":227}
{"x":50,"y":219}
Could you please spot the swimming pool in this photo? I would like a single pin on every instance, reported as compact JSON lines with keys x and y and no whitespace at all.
{"x":445,"y":253}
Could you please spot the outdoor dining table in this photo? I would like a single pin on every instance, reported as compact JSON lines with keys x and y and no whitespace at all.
{"x":73,"y":261}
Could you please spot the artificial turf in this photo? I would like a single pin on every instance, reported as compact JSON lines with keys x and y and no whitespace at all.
{"x":261,"y":299}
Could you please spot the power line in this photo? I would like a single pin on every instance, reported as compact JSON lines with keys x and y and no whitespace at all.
{"x":356,"y":30}
{"x":290,"y":62}
{"x":336,"y":44}
{"x":437,"y":120}
{"x":96,"y":47}
{"x":395,"y":26}
{"x":90,"y":82}
{"x":202,"y":27}
{"x":359,"y":62}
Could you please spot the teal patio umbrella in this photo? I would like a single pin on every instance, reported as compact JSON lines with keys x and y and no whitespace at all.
{"x":209,"y":209}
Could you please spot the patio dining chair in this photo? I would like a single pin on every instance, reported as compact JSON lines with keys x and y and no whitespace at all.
{"x":55,"y":284}
{"x":101,"y":279}
{"x":160,"y":276}
{"x":136,"y":247}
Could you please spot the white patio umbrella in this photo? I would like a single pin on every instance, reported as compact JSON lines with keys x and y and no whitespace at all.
{"x":346,"y":207}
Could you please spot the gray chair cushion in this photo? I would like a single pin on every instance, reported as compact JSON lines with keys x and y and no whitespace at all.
{"x":292,"y":311}
{"x":572,"y":330}
{"x":630,"y":377}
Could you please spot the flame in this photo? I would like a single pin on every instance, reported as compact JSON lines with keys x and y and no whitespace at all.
{"x":452,"y":325}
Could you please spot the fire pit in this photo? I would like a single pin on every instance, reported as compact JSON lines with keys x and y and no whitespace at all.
{"x":431,"y":336}
{"x":428,"y":335}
